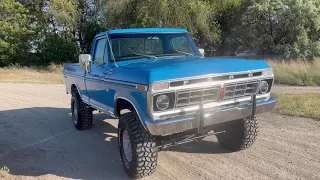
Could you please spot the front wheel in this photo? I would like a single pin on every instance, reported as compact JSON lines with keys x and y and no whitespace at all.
{"x":137,"y":147}
{"x":239,"y":134}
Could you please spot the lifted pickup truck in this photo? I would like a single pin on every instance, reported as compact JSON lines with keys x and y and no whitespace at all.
{"x":166,"y":93}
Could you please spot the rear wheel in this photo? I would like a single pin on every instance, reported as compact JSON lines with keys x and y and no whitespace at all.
{"x":239,"y":134}
{"x":81,"y":112}
{"x":137,"y":147}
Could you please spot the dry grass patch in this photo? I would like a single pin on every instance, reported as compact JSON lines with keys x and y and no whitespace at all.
{"x":301,"y":73}
{"x":304,"y":105}
{"x":36,"y":75}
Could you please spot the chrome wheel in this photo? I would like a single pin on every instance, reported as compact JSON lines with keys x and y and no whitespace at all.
{"x":75,"y":114}
{"x":126,"y":145}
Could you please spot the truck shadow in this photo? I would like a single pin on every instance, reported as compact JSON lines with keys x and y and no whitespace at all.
{"x":200,"y":146}
{"x":42,"y":142}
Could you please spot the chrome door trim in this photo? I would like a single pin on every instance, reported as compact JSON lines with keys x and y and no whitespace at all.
{"x":109,"y":81}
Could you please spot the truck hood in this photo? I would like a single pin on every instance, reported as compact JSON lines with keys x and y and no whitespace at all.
{"x":146,"y":71}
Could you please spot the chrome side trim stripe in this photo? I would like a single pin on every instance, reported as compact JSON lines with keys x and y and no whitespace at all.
{"x":109,"y":81}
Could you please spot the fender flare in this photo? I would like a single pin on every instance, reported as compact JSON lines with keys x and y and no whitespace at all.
{"x":76,"y":87}
{"x":129,"y":101}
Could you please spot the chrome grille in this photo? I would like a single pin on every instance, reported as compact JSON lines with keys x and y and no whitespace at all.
{"x":197,"y":96}
{"x":240,"y":89}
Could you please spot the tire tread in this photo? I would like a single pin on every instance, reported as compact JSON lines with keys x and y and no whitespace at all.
{"x":240,"y":134}
{"x":145,"y":162}
{"x":85,"y":114}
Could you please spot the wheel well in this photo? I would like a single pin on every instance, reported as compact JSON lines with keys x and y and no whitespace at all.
{"x":74,"y":88}
{"x":122,"y":104}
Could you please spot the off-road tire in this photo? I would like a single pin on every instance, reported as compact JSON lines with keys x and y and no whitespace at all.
{"x":84,"y":116}
{"x":239,"y":134}
{"x":143,"y":146}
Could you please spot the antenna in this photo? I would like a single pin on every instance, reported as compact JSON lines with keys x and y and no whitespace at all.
{"x":112,"y":55}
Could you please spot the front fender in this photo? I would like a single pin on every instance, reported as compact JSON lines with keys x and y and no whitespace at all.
{"x":138,"y":99}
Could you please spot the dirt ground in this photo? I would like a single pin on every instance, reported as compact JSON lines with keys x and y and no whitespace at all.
{"x":38,"y":141}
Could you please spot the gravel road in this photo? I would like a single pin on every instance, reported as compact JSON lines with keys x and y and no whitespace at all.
{"x":295,"y":89}
{"x":38,"y":141}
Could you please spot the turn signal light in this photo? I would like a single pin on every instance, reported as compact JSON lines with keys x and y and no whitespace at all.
{"x":141,"y":88}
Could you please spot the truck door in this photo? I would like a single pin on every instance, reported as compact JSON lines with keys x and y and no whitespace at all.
{"x":96,"y":87}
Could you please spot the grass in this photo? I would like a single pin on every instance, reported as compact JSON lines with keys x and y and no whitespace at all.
{"x":4,"y":172}
{"x":301,"y":73}
{"x":295,"y":73}
{"x":51,"y":74}
{"x":303,"y":105}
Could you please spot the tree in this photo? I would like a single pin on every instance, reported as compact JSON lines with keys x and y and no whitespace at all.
{"x":284,"y":27}
{"x":30,"y":30}
{"x":14,"y":32}
{"x":193,"y":15}
{"x":55,"y":49}
{"x":65,"y":15}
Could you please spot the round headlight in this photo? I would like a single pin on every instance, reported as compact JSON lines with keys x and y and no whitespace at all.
{"x":163,"y":102}
{"x":264,"y":87}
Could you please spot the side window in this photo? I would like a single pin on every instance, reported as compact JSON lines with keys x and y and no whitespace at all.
{"x":180,"y":43}
{"x":99,"y":52}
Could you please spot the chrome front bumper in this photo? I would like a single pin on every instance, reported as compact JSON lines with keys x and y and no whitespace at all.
{"x":211,"y":116}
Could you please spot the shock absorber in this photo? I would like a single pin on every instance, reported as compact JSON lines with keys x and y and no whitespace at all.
{"x":201,"y":119}
{"x":254,"y":105}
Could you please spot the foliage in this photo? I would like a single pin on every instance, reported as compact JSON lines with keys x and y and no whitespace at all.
{"x":55,"y":49}
{"x":65,"y":16}
{"x":5,"y":168}
{"x":38,"y":32}
{"x":193,"y":15}
{"x":14,"y":31}
{"x":285,"y":27}
{"x":90,"y":29}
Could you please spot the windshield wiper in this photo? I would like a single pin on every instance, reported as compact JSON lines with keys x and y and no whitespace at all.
{"x":135,"y":55}
{"x":144,"y":55}
{"x":177,"y":51}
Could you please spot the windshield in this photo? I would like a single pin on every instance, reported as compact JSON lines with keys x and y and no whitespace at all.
{"x":150,"y":45}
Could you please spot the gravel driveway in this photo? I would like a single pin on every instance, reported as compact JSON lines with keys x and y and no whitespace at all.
{"x":38,"y":141}
{"x":295,"y":89}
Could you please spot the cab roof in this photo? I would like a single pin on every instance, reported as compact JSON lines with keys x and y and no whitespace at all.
{"x":143,"y":30}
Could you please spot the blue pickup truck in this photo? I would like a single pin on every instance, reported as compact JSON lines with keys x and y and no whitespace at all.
{"x":165,"y":93}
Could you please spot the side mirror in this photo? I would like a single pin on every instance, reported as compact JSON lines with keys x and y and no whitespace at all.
{"x":201,"y":51}
{"x":85,"y":62}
